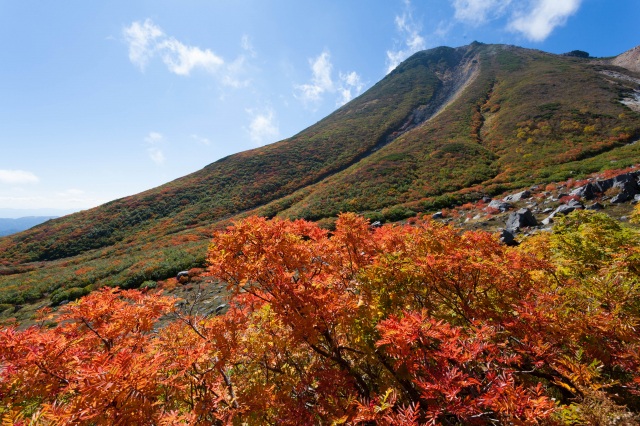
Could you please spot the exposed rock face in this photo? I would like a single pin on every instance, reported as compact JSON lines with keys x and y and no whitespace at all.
{"x":588,"y":191}
{"x":520,"y":219}
{"x":629,"y":59}
{"x":627,"y":183}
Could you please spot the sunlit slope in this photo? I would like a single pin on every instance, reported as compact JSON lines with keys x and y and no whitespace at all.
{"x":447,"y":125}
{"x":242,"y":181}
{"x":523,"y":117}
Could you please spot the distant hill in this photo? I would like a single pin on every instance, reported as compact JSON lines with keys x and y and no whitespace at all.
{"x":10,"y":226}
{"x":446,"y":127}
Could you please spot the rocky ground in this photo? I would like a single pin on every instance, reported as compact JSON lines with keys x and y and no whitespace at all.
{"x":516,"y":215}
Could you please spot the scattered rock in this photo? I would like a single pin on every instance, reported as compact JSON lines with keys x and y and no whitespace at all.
{"x":520,"y":219}
{"x":376,"y":224}
{"x":517,"y":196}
{"x":620,"y":198}
{"x":507,"y":237}
{"x":588,"y":191}
{"x":567,"y":208}
{"x":499,"y":205}
{"x":595,"y":206}
{"x":437,"y":215}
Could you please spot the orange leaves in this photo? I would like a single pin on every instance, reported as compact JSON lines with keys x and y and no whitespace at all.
{"x":96,"y":366}
{"x":459,"y":372}
{"x":401,"y":325}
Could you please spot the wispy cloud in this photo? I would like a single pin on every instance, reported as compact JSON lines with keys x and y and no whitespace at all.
{"x":182,"y":59}
{"x":347,"y":86}
{"x":141,"y":38}
{"x":200,"y":139}
{"x":263,"y":127}
{"x":477,"y":12}
{"x":543,"y":17}
{"x":351,"y":85}
{"x":535,"y":19}
{"x":412,"y":40}
{"x":14,"y":177}
{"x":320,"y":79}
{"x":247,"y":46}
{"x":147,"y":40}
{"x":154,"y":142}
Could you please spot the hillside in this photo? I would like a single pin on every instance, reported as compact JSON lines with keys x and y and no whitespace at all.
{"x":447,"y":126}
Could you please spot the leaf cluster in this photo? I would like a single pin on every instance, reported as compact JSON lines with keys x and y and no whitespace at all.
{"x":414,"y":324}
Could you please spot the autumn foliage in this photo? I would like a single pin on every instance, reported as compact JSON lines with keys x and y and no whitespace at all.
{"x":399,"y":325}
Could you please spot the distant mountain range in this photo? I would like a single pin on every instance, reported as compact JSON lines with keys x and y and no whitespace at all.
{"x":447,"y":126}
{"x":10,"y":226}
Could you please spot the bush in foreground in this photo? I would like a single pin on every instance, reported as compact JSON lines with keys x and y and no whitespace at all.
{"x":398,"y":325}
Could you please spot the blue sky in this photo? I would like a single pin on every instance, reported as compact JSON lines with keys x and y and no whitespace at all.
{"x":100,"y":100}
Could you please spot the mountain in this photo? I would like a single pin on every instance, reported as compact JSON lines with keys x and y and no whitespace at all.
{"x":447,"y":126}
{"x":10,"y":226}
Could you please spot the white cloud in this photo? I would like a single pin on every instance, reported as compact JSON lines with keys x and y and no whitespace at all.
{"x":182,"y":59}
{"x":263,"y":127}
{"x":347,"y":86}
{"x":141,"y":38}
{"x":412,"y":42}
{"x":234,"y":71}
{"x":17,"y":177}
{"x":147,"y":40}
{"x":351,"y":85}
{"x":543,"y":17}
{"x":479,"y":11}
{"x":320,"y":80}
{"x":155,"y":141}
{"x":245,"y":43}
{"x":200,"y":139}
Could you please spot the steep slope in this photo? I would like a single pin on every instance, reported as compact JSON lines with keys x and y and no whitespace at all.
{"x":527,"y":116}
{"x":245,"y":180}
{"x":446,"y":126}
{"x":629,"y":60}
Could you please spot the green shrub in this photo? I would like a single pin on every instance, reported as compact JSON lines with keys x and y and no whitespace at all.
{"x":149,"y":284}
{"x":70,"y":294}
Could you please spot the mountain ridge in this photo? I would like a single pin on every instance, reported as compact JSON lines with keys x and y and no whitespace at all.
{"x":10,"y":226}
{"x":447,"y":126}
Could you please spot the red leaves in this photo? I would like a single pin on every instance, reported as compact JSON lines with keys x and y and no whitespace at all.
{"x":460,"y":372}
{"x":402,"y":325}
